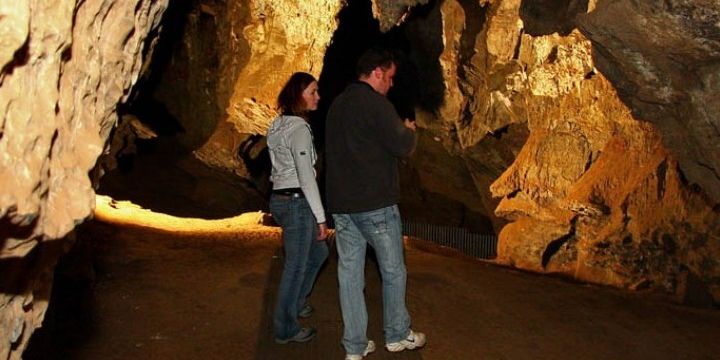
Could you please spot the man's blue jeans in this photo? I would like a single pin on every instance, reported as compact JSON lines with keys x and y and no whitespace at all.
{"x":382,"y":229}
{"x":304,"y":256}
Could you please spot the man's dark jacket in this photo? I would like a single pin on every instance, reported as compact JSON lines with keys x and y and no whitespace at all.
{"x":364,"y":137}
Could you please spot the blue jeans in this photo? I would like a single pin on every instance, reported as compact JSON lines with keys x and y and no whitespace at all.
{"x":382,"y":229}
{"x":304,"y":256}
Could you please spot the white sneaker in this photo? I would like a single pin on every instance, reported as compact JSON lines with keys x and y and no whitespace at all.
{"x":368,"y":349}
{"x":413,"y":341}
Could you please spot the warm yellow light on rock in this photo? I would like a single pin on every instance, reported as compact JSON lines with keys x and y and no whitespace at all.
{"x":111,"y":211}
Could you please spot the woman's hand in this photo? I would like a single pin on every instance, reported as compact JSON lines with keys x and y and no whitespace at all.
{"x":322,"y":232}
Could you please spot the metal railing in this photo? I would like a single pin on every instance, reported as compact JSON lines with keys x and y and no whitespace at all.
{"x":480,"y":246}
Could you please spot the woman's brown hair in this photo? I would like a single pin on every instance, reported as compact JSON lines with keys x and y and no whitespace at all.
{"x":290,"y":100}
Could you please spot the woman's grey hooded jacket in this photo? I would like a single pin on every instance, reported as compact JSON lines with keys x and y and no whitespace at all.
{"x":293,"y":157}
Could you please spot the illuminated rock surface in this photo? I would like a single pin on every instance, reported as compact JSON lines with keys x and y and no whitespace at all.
{"x":65,"y":67}
{"x":585,"y":133}
{"x":593,"y":193}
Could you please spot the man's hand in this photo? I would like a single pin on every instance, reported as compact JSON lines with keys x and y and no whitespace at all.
{"x":410,"y":124}
{"x":322,"y":232}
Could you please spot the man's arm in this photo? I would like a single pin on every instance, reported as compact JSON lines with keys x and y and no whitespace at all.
{"x":397,"y":136}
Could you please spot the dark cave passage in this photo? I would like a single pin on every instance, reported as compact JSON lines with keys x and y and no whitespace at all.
{"x":416,"y":43}
{"x":418,"y":84}
{"x":161,"y":173}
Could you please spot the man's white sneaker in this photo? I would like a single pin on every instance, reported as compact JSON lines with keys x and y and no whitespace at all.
{"x":413,"y":341}
{"x":368,"y":349}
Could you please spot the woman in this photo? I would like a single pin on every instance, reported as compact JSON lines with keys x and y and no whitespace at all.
{"x":295,"y":205}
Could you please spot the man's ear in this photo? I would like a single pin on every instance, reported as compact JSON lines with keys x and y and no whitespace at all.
{"x":377,"y":73}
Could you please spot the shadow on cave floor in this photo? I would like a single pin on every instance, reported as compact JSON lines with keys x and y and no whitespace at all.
{"x":164,"y":178}
{"x":166,"y":296}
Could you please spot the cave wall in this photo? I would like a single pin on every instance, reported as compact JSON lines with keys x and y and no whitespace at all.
{"x":620,"y":207}
{"x":664,"y":59}
{"x":588,"y":127}
{"x":233,"y":58}
{"x":65,"y":65}
{"x":536,"y":116}
{"x":282,"y":37}
{"x":390,"y":13}
{"x":589,"y":181}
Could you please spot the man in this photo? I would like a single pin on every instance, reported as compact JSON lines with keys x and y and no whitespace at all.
{"x":364,"y":139}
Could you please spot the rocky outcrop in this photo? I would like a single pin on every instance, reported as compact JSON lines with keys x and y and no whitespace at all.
{"x":234,"y":57}
{"x":390,"y":13}
{"x":282,"y":37}
{"x":590,"y":188}
{"x":664,"y":59}
{"x":65,"y":66}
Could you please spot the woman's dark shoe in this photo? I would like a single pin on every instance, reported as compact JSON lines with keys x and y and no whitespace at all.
{"x":305,"y":334}
{"x":306,"y":311}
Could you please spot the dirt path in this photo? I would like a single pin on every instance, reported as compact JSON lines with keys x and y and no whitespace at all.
{"x":162,"y":296}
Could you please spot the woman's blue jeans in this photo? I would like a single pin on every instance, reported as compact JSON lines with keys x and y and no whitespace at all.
{"x":304,"y":256}
{"x":382,"y":229}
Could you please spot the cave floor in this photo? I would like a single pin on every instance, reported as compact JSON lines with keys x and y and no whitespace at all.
{"x":157,"y":295}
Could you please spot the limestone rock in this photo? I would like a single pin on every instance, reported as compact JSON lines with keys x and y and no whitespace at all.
{"x":664,"y":59}
{"x":525,"y":243}
{"x":591,"y":193}
{"x":65,"y":66}
{"x":594,"y":150}
{"x":281,"y":37}
{"x":650,"y":225}
{"x":391,"y":13}
{"x":232,"y":60}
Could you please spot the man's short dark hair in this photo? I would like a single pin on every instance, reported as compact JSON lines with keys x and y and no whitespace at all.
{"x":373,"y":58}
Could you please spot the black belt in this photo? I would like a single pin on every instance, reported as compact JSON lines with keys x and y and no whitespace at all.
{"x":294,"y":192}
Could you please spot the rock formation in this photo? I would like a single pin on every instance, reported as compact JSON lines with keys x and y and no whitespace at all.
{"x":233,"y":57}
{"x":584,"y":131}
{"x":65,"y":67}
{"x":523,"y":120}
{"x":391,"y":13}
{"x":593,"y":191}
{"x":664,"y":59}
